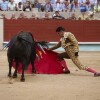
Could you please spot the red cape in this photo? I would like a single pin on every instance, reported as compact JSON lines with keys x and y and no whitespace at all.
{"x":47,"y":63}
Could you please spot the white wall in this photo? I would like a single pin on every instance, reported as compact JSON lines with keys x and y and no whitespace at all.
{"x":1,"y":33}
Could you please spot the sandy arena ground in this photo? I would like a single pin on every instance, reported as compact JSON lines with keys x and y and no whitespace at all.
{"x":79,"y":85}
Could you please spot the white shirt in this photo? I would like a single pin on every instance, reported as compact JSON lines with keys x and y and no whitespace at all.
{"x":11,"y":6}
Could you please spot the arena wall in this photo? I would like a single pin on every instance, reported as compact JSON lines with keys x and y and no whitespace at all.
{"x":85,"y":31}
{"x":1,"y":33}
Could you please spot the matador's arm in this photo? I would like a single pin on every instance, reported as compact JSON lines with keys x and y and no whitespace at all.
{"x":56,"y":46}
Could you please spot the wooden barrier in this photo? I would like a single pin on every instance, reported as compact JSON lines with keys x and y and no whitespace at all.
{"x":85,"y":31}
{"x":1,"y":33}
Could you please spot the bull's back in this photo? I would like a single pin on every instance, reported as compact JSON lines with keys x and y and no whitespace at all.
{"x":19,"y":49}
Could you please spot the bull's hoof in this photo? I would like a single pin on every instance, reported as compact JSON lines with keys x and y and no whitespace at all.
{"x":9,"y":75}
{"x":34,"y":72}
{"x":14,"y":76}
{"x":22,"y":80}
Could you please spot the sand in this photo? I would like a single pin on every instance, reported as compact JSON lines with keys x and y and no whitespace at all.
{"x":79,"y":85}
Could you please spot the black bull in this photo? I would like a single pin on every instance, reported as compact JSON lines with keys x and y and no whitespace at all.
{"x":21,"y":50}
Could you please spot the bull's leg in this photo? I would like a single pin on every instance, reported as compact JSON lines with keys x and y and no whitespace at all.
{"x":9,"y":74}
{"x":33,"y":56}
{"x":23,"y":68}
{"x":10,"y":66}
{"x":32,"y":63}
{"x":15,"y":72}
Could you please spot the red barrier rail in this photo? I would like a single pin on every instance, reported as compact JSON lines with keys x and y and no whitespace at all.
{"x":85,"y":31}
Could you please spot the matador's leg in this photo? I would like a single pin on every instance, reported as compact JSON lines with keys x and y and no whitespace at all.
{"x":78,"y":63}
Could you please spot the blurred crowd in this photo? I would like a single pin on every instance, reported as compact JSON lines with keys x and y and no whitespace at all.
{"x":87,"y":8}
{"x":49,"y":5}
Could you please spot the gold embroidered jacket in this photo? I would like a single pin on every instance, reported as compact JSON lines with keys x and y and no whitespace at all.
{"x":67,"y":40}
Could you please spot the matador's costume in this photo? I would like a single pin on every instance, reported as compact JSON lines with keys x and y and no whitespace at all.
{"x":70,"y":44}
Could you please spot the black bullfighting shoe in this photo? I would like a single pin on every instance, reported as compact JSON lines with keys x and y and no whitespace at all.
{"x":96,"y":74}
{"x":66,"y":72}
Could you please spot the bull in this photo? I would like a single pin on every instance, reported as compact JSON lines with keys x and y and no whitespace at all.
{"x":21,"y":50}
